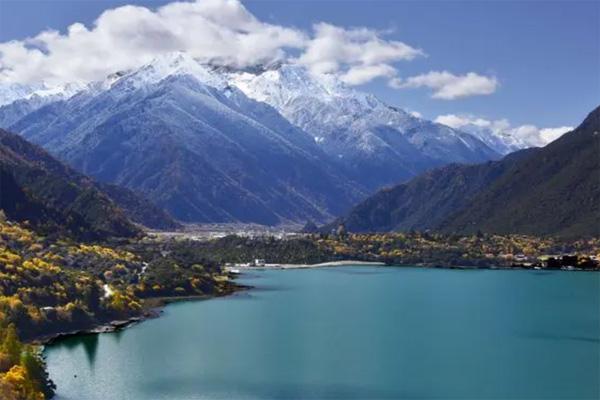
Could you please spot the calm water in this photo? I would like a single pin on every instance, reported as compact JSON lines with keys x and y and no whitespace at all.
{"x":354,"y":333}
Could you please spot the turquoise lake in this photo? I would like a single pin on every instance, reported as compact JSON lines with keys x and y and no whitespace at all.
{"x":354,"y":333}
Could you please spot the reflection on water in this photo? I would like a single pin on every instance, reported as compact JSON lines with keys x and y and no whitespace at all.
{"x":556,"y":337}
{"x":117,"y":335}
{"x":89,"y":344}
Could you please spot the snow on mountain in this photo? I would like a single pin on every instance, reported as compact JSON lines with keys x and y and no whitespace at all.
{"x":177,"y":132}
{"x":509,"y":139}
{"x":17,"y":100}
{"x":501,"y":141}
{"x":384,"y":143}
{"x":500,"y":134}
{"x":208,"y":143}
{"x":171,"y":64}
{"x":10,"y":92}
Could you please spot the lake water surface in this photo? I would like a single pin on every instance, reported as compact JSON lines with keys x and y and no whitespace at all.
{"x":354,"y":333}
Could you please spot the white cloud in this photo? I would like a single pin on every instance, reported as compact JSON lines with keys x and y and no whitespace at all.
{"x":459,"y":121}
{"x":416,"y":114}
{"x":360,"y":54}
{"x":551,"y":134}
{"x":448,"y":86}
{"x":526,"y":135}
{"x":456,"y":121}
{"x":220,"y":31}
{"x":360,"y":74}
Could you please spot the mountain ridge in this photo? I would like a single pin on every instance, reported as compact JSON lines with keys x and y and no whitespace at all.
{"x":223,"y":157}
{"x":554,"y":191}
{"x":380,"y":143}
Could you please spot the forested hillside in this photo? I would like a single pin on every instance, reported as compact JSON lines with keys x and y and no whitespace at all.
{"x":37,"y":188}
{"x":554,"y":190}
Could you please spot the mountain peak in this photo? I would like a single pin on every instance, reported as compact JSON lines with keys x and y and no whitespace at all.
{"x":170,"y":64}
{"x":353,"y":125}
{"x":280,"y":83}
{"x":10,"y":92}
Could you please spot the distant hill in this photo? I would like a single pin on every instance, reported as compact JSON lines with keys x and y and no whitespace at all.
{"x":36,"y":187}
{"x":554,"y":190}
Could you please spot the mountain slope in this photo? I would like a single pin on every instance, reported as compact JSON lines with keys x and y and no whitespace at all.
{"x":138,"y":208}
{"x":553,"y":190}
{"x":425,"y":201}
{"x":177,"y":132}
{"x":379,"y":143}
{"x":41,"y":190}
{"x":16,"y":101}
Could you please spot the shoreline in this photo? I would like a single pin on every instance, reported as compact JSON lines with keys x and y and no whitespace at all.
{"x":341,"y":263}
{"x":350,"y":263}
{"x":152,"y":309}
{"x":154,"y":306}
{"x":108,"y":327}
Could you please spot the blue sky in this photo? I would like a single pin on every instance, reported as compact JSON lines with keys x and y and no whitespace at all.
{"x":544,"y":55}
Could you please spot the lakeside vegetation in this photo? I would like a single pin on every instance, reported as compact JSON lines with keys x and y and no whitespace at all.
{"x":51,"y":286}
{"x":23,"y":373}
{"x":443,"y":250}
{"x":413,"y":248}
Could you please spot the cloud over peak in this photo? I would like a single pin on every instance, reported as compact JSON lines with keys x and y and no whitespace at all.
{"x":221,"y":32}
{"x":217,"y":31}
{"x":360,"y":54}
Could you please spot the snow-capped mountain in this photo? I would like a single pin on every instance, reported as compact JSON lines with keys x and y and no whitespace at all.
{"x":10,"y":92}
{"x":384,"y":144}
{"x":17,"y":100}
{"x":503,"y":141}
{"x":211,"y":144}
{"x":506,"y":139}
{"x":500,"y":135}
{"x":177,"y":132}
